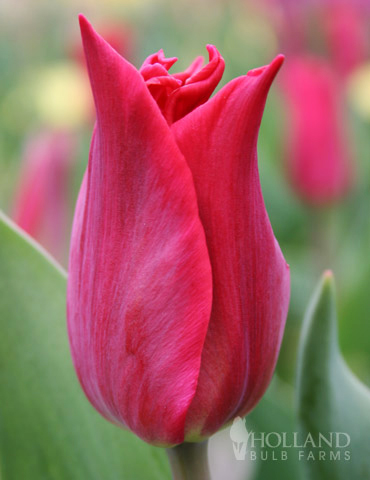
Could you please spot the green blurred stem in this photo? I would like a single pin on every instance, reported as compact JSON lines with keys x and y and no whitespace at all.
{"x":189,"y":461}
{"x":323,"y":239}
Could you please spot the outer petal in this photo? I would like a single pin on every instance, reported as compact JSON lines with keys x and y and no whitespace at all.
{"x":139,"y":289}
{"x":250,"y":276}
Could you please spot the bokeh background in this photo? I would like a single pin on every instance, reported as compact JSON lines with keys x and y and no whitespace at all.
{"x":47,"y":116}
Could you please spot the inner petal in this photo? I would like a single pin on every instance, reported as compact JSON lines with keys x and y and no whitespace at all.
{"x":180,"y":93}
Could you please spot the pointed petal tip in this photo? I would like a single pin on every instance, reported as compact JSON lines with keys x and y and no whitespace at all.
{"x":90,"y":39}
{"x":93,"y":42}
{"x":278,"y":61}
{"x":273,"y":68}
{"x":211,"y":48}
{"x":213,"y":52}
{"x":87,"y":30}
{"x":83,"y":21}
{"x":268,"y":71}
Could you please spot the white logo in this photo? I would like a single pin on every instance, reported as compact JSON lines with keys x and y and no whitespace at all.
{"x":239,"y":436}
{"x":329,"y":446}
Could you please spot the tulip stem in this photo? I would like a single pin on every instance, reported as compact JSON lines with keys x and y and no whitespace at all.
{"x":189,"y":461}
{"x":323,"y":239}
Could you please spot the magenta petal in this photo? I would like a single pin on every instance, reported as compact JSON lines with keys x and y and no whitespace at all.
{"x":159,"y":59}
{"x":250,"y":275}
{"x":198,"y":87}
{"x":139,"y":288}
{"x":159,"y":83}
{"x":194,"y":67}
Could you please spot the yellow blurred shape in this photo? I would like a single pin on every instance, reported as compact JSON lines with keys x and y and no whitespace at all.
{"x":259,"y":32}
{"x":359,"y":90}
{"x":62,"y":95}
{"x":253,"y":33}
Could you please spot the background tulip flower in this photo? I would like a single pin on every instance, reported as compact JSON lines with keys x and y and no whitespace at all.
{"x":345,"y":28}
{"x":41,"y":198}
{"x":178,"y":291}
{"x":318,"y":158}
{"x":324,"y":44}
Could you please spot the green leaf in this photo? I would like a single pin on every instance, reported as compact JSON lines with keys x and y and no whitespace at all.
{"x":48,"y":430}
{"x":330,"y":398}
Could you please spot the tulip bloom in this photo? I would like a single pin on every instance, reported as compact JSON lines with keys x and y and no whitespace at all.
{"x":41,"y":199}
{"x":345,"y":28}
{"x":178,"y":291}
{"x":318,"y":159}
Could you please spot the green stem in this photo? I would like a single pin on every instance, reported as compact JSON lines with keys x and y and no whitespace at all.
{"x":189,"y":461}
{"x":323,"y":239}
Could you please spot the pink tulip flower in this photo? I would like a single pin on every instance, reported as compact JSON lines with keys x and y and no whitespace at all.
{"x":345,"y":28}
{"x":178,"y":291}
{"x":41,"y":198}
{"x":318,"y":158}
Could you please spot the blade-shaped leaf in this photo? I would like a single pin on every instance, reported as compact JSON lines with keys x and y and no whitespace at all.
{"x":331,"y":400}
{"x":48,"y":430}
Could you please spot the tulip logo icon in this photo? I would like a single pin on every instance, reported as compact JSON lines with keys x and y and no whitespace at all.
{"x":239,"y":436}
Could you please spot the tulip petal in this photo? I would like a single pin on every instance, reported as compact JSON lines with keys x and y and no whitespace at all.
{"x":194,"y":67}
{"x":186,"y":90}
{"x":250,"y":276}
{"x":158,"y":59}
{"x":198,"y":87}
{"x":140,"y":287}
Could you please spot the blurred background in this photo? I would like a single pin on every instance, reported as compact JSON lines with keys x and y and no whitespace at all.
{"x":313,"y":147}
